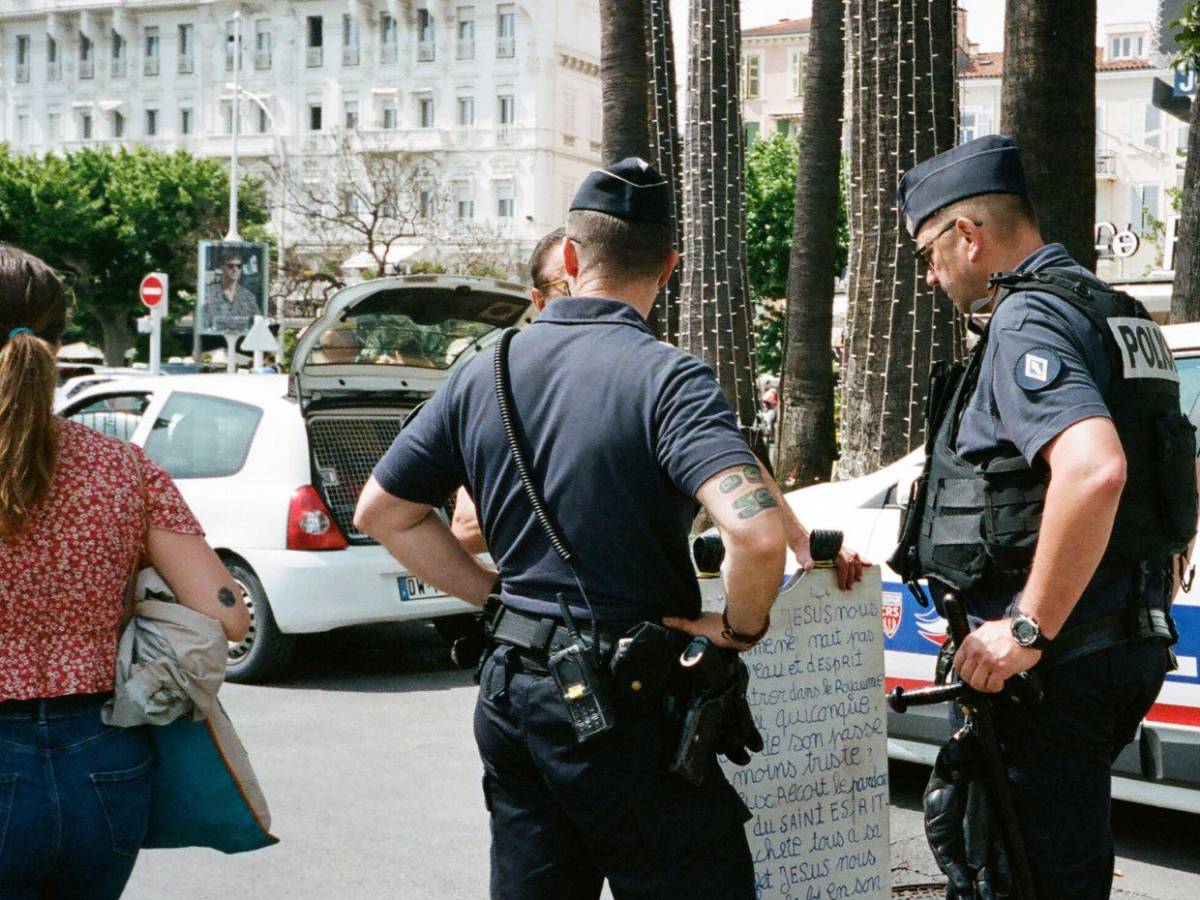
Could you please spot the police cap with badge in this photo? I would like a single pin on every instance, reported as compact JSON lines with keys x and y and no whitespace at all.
{"x":631,"y":189}
{"x":985,"y":529}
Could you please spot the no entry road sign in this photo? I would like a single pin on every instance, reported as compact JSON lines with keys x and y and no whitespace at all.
{"x":153,"y":290}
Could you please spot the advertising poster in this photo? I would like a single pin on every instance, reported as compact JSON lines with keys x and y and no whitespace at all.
{"x":233,"y":286}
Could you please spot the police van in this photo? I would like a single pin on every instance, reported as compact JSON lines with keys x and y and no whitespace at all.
{"x":1161,"y":767}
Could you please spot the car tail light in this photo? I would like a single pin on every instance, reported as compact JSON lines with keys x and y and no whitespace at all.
{"x":310,"y":526}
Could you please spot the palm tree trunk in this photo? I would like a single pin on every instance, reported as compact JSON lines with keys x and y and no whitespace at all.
{"x":664,"y":141}
{"x":1185,"y":298}
{"x":623,"y":79}
{"x":1048,"y":106}
{"x":806,"y":439}
{"x":903,"y":100}
{"x":716,"y":316}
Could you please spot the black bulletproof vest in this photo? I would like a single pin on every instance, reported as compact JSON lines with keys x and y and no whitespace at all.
{"x":969,"y":523}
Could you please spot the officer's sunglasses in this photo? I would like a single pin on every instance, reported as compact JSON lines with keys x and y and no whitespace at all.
{"x":923,"y":252}
{"x":560,"y":283}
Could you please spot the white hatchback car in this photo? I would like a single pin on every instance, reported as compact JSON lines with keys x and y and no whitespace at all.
{"x":272,"y":465}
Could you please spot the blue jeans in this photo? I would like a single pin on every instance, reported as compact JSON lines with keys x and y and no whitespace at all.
{"x":74,"y":800}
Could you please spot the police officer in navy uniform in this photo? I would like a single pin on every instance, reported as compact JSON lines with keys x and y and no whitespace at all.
{"x":626,"y":437}
{"x":1059,"y":492}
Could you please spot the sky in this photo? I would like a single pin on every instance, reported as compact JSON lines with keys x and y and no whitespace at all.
{"x":985,"y":18}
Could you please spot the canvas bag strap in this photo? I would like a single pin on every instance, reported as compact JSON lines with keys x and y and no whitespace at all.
{"x":136,"y":566}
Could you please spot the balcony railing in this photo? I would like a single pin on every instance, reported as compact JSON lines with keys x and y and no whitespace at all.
{"x":187,"y":65}
{"x":466,"y":135}
{"x":1106,"y":166}
{"x":388,"y":54}
{"x":118,"y":68}
{"x":465,"y":49}
{"x":425,"y":51}
{"x":150,"y":65}
{"x":54,"y":71}
{"x":22,"y":72}
{"x":87,"y":68}
{"x":350,"y":56}
{"x":262,"y":60}
{"x":506,"y":47}
{"x":314,"y":57}
{"x":505,"y":134}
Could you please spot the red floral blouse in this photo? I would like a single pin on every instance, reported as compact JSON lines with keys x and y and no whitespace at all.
{"x":63,"y":578}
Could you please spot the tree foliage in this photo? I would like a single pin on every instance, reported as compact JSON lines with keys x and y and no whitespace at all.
{"x":104,"y":218}
{"x":1185,"y":295}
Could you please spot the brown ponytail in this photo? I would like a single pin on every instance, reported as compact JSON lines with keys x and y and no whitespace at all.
{"x":33,"y":316}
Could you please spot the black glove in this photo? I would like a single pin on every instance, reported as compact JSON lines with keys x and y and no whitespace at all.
{"x":739,"y":736}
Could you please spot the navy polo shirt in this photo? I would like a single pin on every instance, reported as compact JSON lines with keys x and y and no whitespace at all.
{"x":620,"y":430}
{"x":1044,"y":369}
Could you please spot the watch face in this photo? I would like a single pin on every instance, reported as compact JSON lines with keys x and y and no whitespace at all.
{"x":1025,"y":631}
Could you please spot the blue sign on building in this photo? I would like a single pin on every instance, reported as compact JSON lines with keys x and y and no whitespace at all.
{"x":1185,"y":81}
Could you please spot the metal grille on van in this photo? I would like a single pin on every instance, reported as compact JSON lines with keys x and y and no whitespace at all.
{"x":345,"y":450}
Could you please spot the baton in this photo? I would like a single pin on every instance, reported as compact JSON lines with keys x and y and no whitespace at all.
{"x":979,"y":706}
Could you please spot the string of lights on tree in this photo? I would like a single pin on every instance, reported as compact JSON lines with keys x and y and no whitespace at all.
{"x":664,"y":143}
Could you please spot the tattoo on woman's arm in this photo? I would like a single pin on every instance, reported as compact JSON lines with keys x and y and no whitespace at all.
{"x":751,"y":504}
{"x":225,"y":597}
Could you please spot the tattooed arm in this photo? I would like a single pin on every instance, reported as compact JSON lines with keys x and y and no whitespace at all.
{"x":747,"y":515}
{"x":198,"y":579}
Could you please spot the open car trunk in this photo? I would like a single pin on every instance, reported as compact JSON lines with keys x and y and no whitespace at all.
{"x":380,"y":349}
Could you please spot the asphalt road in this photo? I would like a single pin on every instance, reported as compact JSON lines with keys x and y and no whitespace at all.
{"x":366,"y":756}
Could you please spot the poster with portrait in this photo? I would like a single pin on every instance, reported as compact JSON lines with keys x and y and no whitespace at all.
{"x":232,"y":287}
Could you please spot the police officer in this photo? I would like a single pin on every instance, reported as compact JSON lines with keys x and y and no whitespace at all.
{"x":625,"y":437}
{"x":1065,"y":422}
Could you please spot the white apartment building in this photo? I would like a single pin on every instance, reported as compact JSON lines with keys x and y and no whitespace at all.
{"x":502,"y":97}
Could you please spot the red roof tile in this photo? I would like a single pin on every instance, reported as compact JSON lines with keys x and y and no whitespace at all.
{"x":991,"y":65}
{"x":785,"y":26}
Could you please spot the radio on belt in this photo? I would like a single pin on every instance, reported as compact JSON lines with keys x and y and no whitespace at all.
{"x":577,"y":675}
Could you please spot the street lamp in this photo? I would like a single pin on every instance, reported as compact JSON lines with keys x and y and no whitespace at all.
{"x":233,"y":156}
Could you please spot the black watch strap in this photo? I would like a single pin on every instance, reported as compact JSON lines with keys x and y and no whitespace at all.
{"x":738,"y":637}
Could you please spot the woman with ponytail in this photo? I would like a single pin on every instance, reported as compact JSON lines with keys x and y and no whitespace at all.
{"x":79,"y":512}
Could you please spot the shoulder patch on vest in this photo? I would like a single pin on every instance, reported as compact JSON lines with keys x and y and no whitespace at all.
{"x":1037,"y":369}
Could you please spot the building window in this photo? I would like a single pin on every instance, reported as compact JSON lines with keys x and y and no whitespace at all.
{"x":506,"y":31}
{"x":349,"y":41}
{"x":184,"y":40}
{"x":53,"y":63}
{"x":151,"y":123}
{"x":150,"y":50}
{"x":185,"y":120}
{"x":23,"y":129}
{"x":505,"y":202}
{"x":350,"y":111}
{"x":22,"y":57}
{"x":1144,"y":205}
{"x":466,"y":111}
{"x":465,"y":202}
{"x":227,"y":116}
{"x":262,"y":44}
{"x":55,"y":126}
{"x":315,"y":54}
{"x":506,"y":109}
{"x":118,"y":125}
{"x":425,"y":36}
{"x":262,"y":121}
{"x":751,"y":132}
{"x":314,"y":117}
{"x":797,"y":63}
{"x":87,"y":57}
{"x":387,"y":39}
{"x":751,"y":76}
{"x":1127,"y":46}
{"x":426,"y":204}
{"x":568,"y":112}
{"x":389,"y":114}
{"x":973,"y":123}
{"x":425,"y":112}
{"x":1152,"y":127}
{"x":466,"y":33}
{"x":85,"y":126}
{"x":231,"y":48}
{"x":783,"y":126}
{"x":118,"y":56}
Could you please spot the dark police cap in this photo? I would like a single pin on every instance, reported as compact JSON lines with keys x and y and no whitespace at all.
{"x":632,"y":190}
{"x":986,"y":165}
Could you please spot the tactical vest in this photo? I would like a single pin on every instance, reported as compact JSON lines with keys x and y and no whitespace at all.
{"x":969,"y":523}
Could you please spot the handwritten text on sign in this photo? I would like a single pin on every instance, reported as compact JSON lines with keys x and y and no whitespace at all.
{"x":819,"y":789}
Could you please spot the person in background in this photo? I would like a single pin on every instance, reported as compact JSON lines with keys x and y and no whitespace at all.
{"x":79,"y":511}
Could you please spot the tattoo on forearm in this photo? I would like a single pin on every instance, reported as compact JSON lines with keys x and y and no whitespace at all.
{"x":730,"y":484}
{"x":225,"y":597}
{"x":753,"y":474}
{"x":751,"y":504}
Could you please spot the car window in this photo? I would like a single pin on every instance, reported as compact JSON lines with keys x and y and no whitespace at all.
{"x":1189,"y":385}
{"x":116,"y":415}
{"x":197,"y":436}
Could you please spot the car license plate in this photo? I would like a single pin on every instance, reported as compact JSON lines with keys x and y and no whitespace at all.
{"x":412,"y":588}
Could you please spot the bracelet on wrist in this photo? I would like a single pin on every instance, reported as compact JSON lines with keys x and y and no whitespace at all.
{"x":730,"y":634}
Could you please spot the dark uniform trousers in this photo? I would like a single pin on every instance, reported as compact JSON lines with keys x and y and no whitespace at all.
{"x":1060,"y":756}
{"x":567,"y":815}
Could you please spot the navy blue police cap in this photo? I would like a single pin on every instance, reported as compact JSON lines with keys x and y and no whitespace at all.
{"x":986,"y":165}
{"x":632,"y":190}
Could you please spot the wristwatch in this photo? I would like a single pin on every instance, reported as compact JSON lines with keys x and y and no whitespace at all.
{"x":1027,"y":632}
{"x":738,"y":637}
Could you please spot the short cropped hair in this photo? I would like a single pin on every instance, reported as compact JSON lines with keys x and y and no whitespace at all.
{"x":1004,"y":212}
{"x":622,"y":250}
{"x":541,"y":254}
